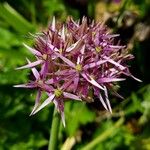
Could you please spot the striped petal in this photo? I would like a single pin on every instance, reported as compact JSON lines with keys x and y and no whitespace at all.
{"x":67,"y":61}
{"x":74,"y":46}
{"x":102,"y":101}
{"x":116,"y":46}
{"x":76,"y":82}
{"x":63,"y":33}
{"x":107,"y":80}
{"x":63,"y":118}
{"x":115,"y":63}
{"x":94,"y":64}
{"x":53,"y":24}
{"x":45,"y":103}
{"x":82,"y":52}
{"x":112,"y":36}
{"x":32,"y":50}
{"x":44,"y":69}
{"x":34,"y":71}
{"x":36,"y":101}
{"x":135,"y":78}
{"x":24,"y":86}
{"x":71,"y":96}
{"x":59,"y":104}
{"x":107,"y":100}
{"x":92,"y":81}
{"x":33,"y":64}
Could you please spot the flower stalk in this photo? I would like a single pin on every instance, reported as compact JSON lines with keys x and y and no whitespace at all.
{"x":54,"y":131}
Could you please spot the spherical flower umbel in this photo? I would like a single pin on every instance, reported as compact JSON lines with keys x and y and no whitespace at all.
{"x":76,"y":61}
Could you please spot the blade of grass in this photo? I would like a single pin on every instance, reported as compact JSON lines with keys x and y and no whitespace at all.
{"x":16,"y":20}
{"x":103,"y":136}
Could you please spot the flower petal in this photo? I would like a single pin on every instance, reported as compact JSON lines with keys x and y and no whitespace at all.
{"x":106,"y":80}
{"x":36,"y":101}
{"x":63,"y":33}
{"x":24,"y":86}
{"x":65,"y":72}
{"x":50,"y":81}
{"x":107,"y":100}
{"x":83,"y":26}
{"x":81,"y":56}
{"x":59,"y":104}
{"x":116,"y":46}
{"x":76,"y":81}
{"x":115,"y":63}
{"x":71,"y":96}
{"x":45,"y":103}
{"x":127,"y":73}
{"x":82,"y":52}
{"x":92,"y":81}
{"x":94,"y":64}
{"x":63,"y":118}
{"x":70,"y":63}
{"x":135,"y":78}
{"x":74,"y":46}
{"x":67,"y":84}
{"x":32,"y":50}
{"x":33,"y":64}
{"x":34,"y":71}
{"x":112,"y":36}
{"x":102,"y":101}
{"x":44,"y":69}
{"x":117,"y":95}
{"x":53,"y":24}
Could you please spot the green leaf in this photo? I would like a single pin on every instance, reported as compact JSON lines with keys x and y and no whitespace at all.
{"x":77,"y":114}
{"x":13,"y":18}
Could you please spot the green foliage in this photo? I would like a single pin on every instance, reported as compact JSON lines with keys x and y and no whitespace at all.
{"x":15,"y":19}
{"x":77,"y":114}
{"x":9,"y":54}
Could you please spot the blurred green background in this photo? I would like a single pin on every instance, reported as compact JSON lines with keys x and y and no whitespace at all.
{"x":128,"y":128}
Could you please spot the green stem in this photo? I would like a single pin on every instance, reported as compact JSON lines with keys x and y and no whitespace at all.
{"x":54,"y":131}
{"x":104,"y":135}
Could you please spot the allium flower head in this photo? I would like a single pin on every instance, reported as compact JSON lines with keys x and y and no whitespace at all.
{"x":76,"y":61}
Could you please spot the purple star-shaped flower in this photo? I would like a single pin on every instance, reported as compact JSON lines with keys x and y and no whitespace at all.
{"x":76,"y":61}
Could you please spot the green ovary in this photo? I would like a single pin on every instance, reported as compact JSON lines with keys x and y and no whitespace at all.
{"x":58,"y":92}
{"x":44,"y":56}
{"x":78,"y":67}
{"x":98,"y":49}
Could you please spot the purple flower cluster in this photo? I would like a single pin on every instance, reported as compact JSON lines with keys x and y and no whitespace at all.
{"x":76,"y":61}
